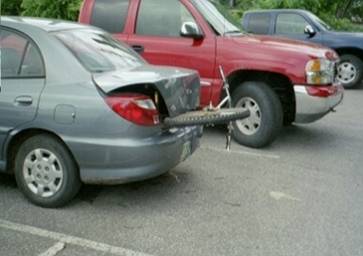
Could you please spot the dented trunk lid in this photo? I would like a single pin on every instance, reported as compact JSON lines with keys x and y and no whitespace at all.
{"x":179,"y":88}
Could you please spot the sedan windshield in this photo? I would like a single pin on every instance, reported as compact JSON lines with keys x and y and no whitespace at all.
{"x":98,"y":51}
{"x":218,"y":17}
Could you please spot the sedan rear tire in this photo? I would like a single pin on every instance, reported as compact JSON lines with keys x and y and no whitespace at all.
{"x":46,"y":172}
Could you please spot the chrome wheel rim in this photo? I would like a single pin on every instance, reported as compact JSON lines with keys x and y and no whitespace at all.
{"x":250,"y":125}
{"x":43,"y":173}
{"x":347,"y":72}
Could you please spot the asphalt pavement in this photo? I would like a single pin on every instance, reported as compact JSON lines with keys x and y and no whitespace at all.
{"x":303,"y":195}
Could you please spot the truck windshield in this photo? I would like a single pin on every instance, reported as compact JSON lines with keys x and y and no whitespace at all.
{"x":218,"y":17}
{"x":322,"y":24}
{"x":98,"y":51}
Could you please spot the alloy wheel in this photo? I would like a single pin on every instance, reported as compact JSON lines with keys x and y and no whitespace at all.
{"x":347,"y":72}
{"x":43,"y":173}
{"x":250,"y":125}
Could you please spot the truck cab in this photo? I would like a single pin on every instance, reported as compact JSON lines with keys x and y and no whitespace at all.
{"x":278,"y":80}
{"x":304,"y":25}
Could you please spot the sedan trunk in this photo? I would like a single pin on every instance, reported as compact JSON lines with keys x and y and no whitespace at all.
{"x":179,"y":88}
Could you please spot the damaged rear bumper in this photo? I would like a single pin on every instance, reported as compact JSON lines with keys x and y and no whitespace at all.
{"x":143,"y":159}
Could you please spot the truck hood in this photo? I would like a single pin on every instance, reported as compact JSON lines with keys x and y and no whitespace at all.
{"x":179,"y":88}
{"x":343,"y":39}
{"x":279,"y":45}
{"x":347,"y":34}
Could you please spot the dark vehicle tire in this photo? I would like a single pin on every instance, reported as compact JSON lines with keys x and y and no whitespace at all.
{"x":46,"y":172}
{"x":350,"y":71}
{"x":266,"y":120}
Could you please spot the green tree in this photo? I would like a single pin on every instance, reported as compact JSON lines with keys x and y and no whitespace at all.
{"x":59,"y":9}
{"x":356,"y":12}
{"x":10,"y":7}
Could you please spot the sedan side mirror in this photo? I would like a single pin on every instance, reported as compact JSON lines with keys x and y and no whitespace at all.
{"x":309,"y":30}
{"x":190,"y":29}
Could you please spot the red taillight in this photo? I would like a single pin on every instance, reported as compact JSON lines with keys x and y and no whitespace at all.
{"x":137,"y":108}
{"x":322,"y":91}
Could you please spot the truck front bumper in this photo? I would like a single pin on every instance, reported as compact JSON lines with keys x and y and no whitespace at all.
{"x":314,"y":102}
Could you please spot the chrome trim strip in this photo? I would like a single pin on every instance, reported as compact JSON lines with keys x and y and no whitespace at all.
{"x":300,"y":89}
{"x":310,"y":108}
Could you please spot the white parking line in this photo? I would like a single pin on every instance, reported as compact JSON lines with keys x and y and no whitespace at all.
{"x":249,"y":153}
{"x":280,"y":195}
{"x":52,"y":251}
{"x":85,"y":243}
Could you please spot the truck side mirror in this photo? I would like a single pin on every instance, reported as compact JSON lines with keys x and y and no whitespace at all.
{"x":309,"y":30}
{"x":190,"y":29}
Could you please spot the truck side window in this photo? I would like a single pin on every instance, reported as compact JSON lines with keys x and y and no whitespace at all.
{"x":259,"y":23}
{"x":110,"y":15}
{"x":162,"y":18}
{"x":289,"y":23}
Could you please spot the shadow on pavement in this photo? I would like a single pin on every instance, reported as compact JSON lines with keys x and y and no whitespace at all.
{"x":7,"y":181}
{"x":316,"y":135}
{"x":165,"y":187}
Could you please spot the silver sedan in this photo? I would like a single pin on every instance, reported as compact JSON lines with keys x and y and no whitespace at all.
{"x":77,"y":106}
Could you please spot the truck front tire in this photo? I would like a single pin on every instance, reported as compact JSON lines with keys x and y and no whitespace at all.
{"x":350,"y":71}
{"x":266,"y":120}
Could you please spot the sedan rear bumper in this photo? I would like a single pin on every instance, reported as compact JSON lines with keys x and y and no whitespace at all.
{"x":313,"y":103}
{"x":126,"y":160}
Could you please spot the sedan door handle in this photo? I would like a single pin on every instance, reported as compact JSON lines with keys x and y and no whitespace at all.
{"x":138,"y":48}
{"x":24,"y":100}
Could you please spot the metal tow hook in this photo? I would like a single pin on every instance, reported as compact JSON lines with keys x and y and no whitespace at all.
{"x":227,"y":99}
{"x":229,"y":136}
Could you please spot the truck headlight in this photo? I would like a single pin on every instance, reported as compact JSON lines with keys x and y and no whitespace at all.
{"x":320,"y":71}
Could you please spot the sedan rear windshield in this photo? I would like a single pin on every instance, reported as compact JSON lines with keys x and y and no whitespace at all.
{"x":98,"y":51}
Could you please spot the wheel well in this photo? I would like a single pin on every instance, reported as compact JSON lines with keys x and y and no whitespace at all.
{"x":22,"y":136}
{"x":279,"y":83}
{"x":352,"y":51}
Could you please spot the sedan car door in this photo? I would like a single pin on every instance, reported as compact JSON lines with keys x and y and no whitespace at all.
{"x":22,"y":80}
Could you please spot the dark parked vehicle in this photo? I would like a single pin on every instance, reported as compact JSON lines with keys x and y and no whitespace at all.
{"x":303,"y":25}
{"x":76,"y":105}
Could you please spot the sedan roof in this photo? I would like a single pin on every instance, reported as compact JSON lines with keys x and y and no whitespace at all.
{"x":278,"y":11}
{"x":48,"y":25}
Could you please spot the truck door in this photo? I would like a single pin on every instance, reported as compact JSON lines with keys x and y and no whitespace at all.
{"x":157,"y":37}
{"x":293,"y":25}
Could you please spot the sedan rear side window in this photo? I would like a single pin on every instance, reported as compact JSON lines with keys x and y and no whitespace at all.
{"x":259,"y":23}
{"x":19,"y":57}
{"x":110,"y":15}
{"x":98,"y":51}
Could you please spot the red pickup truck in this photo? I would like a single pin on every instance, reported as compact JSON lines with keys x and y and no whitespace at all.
{"x":279,"y":80}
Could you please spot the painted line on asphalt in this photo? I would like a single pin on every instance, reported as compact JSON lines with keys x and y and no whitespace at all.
{"x":67,"y":239}
{"x":54,"y":250}
{"x":248,"y":153}
{"x":280,"y":195}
